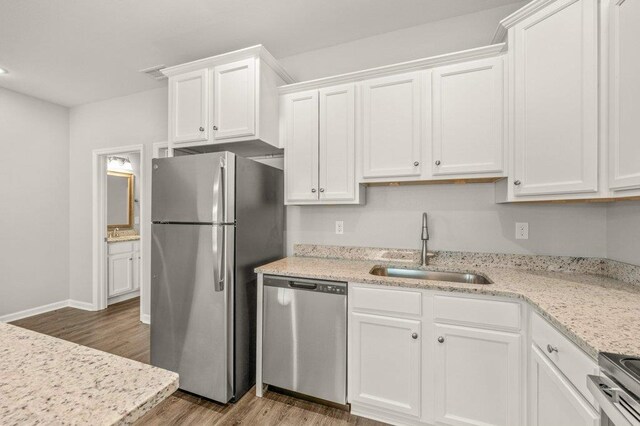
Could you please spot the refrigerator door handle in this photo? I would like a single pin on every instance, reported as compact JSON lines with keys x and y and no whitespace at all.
{"x":220,"y":249}
{"x":220,"y":230}
{"x":220,"y":216}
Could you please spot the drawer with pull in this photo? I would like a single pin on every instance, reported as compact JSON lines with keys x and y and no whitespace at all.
{"x":386,"y":300}
{"x":122,"y":247}
{"x":477,"y":312}
{"x":569,"y":358}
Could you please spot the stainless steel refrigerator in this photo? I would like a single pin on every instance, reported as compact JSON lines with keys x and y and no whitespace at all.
{"x":215,"y":218}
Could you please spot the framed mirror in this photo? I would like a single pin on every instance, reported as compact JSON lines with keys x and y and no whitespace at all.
{"x":119,"y":200}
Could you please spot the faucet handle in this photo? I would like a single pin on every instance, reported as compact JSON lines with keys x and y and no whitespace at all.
{"x":425,"y":227}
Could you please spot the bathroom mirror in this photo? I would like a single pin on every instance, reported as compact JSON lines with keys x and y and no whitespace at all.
{"x":119,"y":200}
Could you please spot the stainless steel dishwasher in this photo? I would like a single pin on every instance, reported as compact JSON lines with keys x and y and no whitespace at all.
{"x":304,"y":345}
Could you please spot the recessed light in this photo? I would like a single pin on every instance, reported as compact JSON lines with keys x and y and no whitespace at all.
{"x":3,"y":71}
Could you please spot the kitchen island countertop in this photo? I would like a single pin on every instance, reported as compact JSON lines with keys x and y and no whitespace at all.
{"x":46,"y":380}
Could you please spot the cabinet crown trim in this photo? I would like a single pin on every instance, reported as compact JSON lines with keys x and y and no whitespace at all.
{"x":258,"y":51}
{"x":402,"y":67}
{"x":524,"y":12}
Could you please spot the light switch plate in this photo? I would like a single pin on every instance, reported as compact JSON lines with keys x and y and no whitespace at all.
{"x":339,"y":227}
{"x":522,"y":231}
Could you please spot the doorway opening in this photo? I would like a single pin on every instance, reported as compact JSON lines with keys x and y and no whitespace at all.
{"x":119,"y":231}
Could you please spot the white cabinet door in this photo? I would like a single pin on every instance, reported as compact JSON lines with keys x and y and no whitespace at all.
{"x":385,"y":363}
{"x":337,"y":143}
{"x":136,"y":270}
{"x":555,"y":90}
{"x":120,"y":273}
{"x":477,"y":376}
{"x":553,"y":400}
{"x":624,"y":140}
{"x":234,"y":94}
{"x":391,"y":126}
{"x":468,"y":118}
{"x":301,"y":149}
{"x":188,"y":104}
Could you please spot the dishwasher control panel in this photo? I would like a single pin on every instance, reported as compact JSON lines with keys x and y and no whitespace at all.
{"x":332,"y":288}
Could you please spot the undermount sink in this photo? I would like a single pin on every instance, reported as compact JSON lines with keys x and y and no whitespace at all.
{"x":420,"y":274}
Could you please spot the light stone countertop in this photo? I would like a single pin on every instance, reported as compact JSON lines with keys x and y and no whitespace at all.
{"x":123,"y":238}
{"x":45,"y":380}
{"x":599,"y":314}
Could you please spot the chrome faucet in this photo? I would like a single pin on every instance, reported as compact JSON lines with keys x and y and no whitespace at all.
{"x":424,"y":258}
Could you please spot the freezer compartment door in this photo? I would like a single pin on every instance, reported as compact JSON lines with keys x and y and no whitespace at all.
{"x":305,"y":342}
{"x":193,"y":188}
{"x":191,"y":296}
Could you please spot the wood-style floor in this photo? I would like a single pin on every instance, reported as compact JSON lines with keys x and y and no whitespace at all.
{"x":118,"y":330}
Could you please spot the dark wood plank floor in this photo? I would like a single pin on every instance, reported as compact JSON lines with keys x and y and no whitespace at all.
{"x":118,"y":330}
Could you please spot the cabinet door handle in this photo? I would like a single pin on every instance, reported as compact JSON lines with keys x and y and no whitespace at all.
{"x":202,"y":129}
{"x":414,"y":336}
{"x":438,"y":162}
{"x":517,"y":183}
{"x":131,"y":258}
{"x":215,"y":127}
{"x":313,"y":190}
{"x":321,"y":189}
{"x":440,"y":339}
{"x":416,"y":163}
{"x":551,"y":349}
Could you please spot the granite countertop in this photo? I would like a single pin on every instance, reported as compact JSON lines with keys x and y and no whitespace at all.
{"x":45,"y":380}
{"x":598,"y":313}
{"x":122,"y":238}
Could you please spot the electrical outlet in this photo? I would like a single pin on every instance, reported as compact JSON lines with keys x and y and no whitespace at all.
{"x":522,"y":231}
{"x":339,"y":227}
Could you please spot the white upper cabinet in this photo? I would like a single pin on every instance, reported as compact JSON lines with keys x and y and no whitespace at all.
{"x":477,"y":377}
{"x":320,"y":149}
{"x":188,"y":107}
{"x":624,"y":112}
{"x":554,"y":84}
{"x":337,"y":158}
{"x":391,"y":126}
{"x":234,"y":103}
{"x":227,"y":98}
{"x":301,"y":150}
{"x":468,"y":118}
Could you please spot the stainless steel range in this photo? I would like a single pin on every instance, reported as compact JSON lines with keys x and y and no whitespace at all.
{"x":617,"y":389}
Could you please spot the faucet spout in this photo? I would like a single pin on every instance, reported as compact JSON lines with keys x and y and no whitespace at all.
{"x":424,"y":258}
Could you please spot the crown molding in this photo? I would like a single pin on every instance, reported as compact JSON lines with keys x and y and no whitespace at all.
{"x":416,"y":65}
{"x":257,"y":51}
{"x":524,"y":12}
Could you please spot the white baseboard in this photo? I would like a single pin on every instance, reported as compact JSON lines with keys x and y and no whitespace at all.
{"x":145,"y":318}
{"x":34,"y":311}
{"x":123,"y":297}
{"x":81,"y":305}
{"x":69,"y":303}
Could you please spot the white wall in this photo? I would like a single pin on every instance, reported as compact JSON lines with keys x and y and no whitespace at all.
{"x":434,"y":38}
{"x":140,"y":118}
{"x":34,"y":203}
{"x":623,"y":231}
{"x":461,"y":217}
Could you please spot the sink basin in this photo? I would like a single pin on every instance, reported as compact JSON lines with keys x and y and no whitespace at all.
{"x":420,"y":274}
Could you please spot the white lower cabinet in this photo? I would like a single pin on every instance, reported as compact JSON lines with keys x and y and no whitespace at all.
{"x":477,"y":376}
{"x":385,"y":362}
{"x":406,"y":368}
{"x":123,"y":268}
{"x":553,"y":400}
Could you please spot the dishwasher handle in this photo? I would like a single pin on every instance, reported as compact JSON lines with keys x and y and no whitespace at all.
{"x":305,"y":284}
